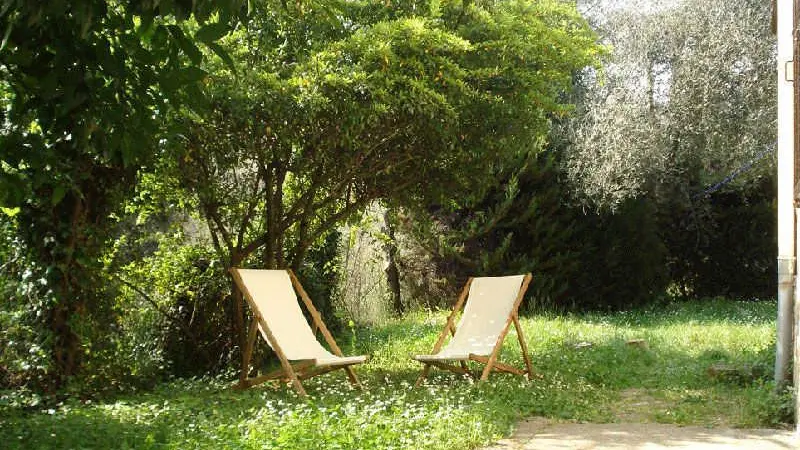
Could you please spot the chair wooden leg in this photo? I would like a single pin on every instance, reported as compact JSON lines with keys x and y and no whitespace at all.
{"x":315,"y":372}
{"x":460,"y":370}
{"x":489,"y":365}
{"x":279,"y":374}
{"x":285,"y":364}
{"x":296,"y":385}
{"x":499,"y":344}
{"x":423,"y":375}
{"x":351,"y":375}
{"x":247,"y":354}
{"x":455,"y":369}
{"x":499,"y":366}
{"x":524,"y":345}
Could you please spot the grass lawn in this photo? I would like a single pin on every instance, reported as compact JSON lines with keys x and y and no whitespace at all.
{"x":607,"y":381}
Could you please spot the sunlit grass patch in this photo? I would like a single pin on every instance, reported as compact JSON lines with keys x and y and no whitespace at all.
{"x":586,"y":371}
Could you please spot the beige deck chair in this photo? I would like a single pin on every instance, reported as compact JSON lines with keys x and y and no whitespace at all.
{"x":491,"y":307}
{"x":277,"y":315}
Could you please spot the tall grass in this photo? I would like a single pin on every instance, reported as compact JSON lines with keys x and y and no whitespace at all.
{"x":586,"y":372}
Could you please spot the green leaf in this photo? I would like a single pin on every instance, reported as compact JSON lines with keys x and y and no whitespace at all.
{"x":146,"y":25}
{"x":10,"y":212}
{"x":159,"y":39}
{"x":187,"y":46}
{"x":191,"y":74}
{"x":169,"y":82}
{"x":174,"y":80}
{"x":12,"y":188}
{"x":197,"y":99}
{"x":223,"y":55}
{"x":211,"y":32}
{"x":58,"y":194}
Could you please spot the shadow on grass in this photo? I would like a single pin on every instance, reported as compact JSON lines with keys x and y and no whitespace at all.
{"x":704,"y":312}
{"x":89,"y":429}
{"x":449,"y":411}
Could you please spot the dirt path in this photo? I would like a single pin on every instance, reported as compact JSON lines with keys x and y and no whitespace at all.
{"x":542,"y":434}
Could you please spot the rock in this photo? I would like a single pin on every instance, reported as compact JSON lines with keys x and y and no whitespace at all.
{"x":738,"y":374}
{"x":641,"y":343}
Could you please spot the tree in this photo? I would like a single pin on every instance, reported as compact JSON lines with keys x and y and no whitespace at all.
{"x":85,"y":86}
{"x":686,"y":98}
{"x":525,"y":58}
{"x":309,"y":150}
{"x":335,"y":106}
{"x":683,"y":116}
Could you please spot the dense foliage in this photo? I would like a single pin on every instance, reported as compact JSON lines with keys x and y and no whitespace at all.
{"x":725,"y":244}
{"x":148,"y":147}
{"x":680,"y":104}
{"x":663,"y":176}
{"x":84,"y":88}
{"x":369,"y":107}
{"x":581,"y":259}
{"x":328,"y":108}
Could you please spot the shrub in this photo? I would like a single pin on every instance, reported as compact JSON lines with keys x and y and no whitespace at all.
{"x":725,"y":243}
{"x":580,"y":259}
{"x":179,"y":298}
{"x":622,"y":258}
{"x":24,"y":359}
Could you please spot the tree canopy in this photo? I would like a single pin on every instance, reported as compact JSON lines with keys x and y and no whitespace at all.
{"x":400,"y":109}
{"x":686,"y":98}
{"x":274,"y":122}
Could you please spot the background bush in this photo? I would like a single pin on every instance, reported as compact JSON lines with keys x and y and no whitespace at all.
{"x":724,"y":243}
{"x":581,"y":259}
{"x":179,"y":298}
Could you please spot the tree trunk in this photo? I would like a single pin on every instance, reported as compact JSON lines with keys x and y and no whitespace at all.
{"x":66,"y":350}
{"x":392,"y":271}
{"x":71,"y":281}
{"x":239,"y":312}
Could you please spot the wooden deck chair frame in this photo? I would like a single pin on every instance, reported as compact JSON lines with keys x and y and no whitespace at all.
{"x":300,"y":370}
{"x":491,"y":362}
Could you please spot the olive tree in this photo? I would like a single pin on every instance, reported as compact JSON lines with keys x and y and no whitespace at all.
{"x":686,"y":98}
{"x":683,"y":116}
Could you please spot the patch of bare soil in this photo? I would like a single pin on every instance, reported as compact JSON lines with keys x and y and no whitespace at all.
{"x":638,"y":406}
{"x":542,"y":434}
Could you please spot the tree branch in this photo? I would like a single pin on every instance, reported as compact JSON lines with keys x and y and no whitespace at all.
{"x":172,"y":318}
{"x":251,"y":206}
{"x":212,"y":216}
{"x":302,"y":247}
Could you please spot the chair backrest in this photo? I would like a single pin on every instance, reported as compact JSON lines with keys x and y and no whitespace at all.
{"x":271,"y":294}
{"x":489,"y":305}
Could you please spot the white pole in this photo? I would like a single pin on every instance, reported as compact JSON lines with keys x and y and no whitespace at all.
{"x":786,"y":220}
{"x":796,"y":350}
